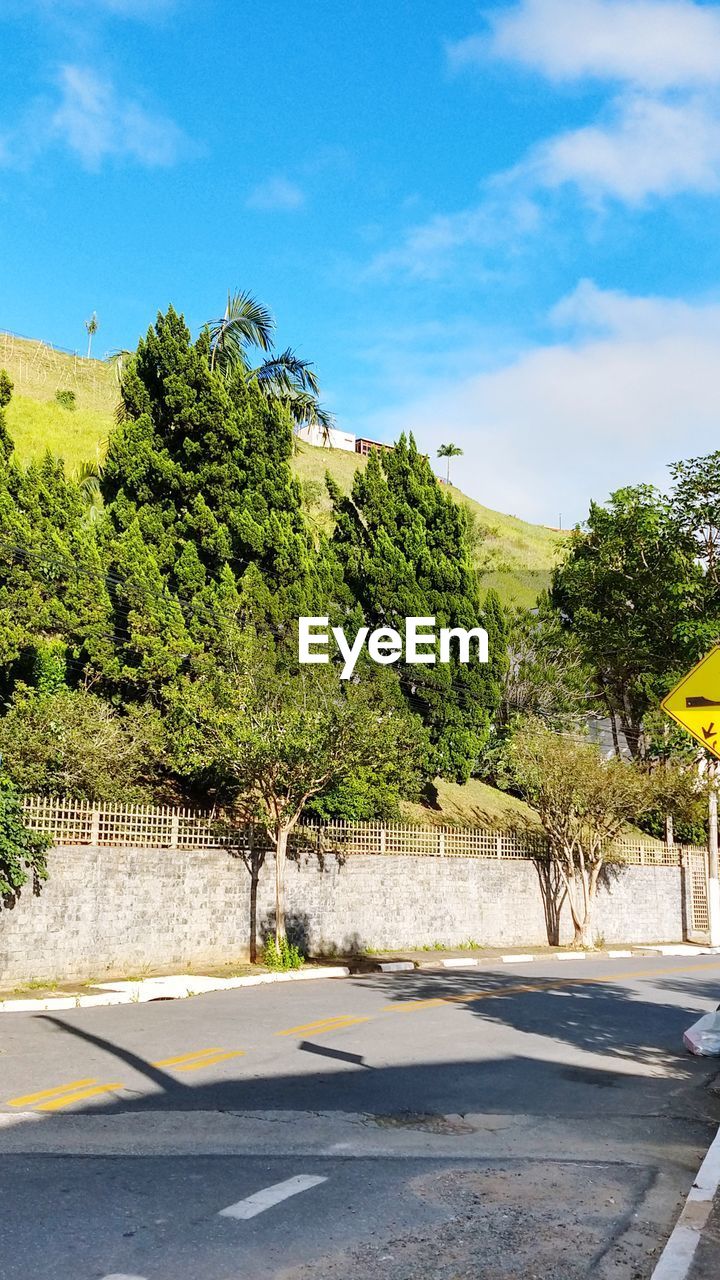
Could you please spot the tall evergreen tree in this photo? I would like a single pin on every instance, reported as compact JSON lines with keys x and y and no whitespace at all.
{"x":201,"y":464}
{"x":52,"y":587}
{"x":404,"y":550}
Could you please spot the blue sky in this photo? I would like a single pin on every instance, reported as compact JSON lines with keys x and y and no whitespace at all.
{"x":493,"y":224}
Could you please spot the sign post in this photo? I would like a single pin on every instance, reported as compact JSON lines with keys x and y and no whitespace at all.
{"x":713,"y":880}
{"x":695,"y":705}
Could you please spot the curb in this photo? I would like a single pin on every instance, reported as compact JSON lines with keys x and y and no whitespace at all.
{"x":172,"y":987}
{"x":181,"y":986}
{"x":676,"y":1258}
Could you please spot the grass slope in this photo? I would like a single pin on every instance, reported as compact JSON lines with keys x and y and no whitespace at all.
{"x":473,"y":805}
{"x":36,"y":421}
{"x":516,"y":557}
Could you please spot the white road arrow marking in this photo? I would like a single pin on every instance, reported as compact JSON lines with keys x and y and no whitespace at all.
{"x":270,"y":1196}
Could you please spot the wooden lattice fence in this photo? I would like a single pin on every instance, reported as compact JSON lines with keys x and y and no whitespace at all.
{"x":77,"y":822}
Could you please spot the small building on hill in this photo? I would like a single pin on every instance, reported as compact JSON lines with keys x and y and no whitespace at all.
{"x":331,"y":438}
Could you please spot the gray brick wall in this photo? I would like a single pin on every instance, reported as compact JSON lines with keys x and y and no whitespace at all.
{"x":107,"y":912}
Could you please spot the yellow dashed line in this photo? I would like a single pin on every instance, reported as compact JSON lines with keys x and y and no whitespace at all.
{"x":208,"y":1062}
{"x":324,"y":1024}
{"x":411,"y":1006}
{"x":185,"y":1057}
{"x":68,"y":1099}
{"x":28,"y":1099}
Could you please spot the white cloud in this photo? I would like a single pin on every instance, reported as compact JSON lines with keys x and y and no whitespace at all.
{"x":96,"y":122}
{"x":633,"y":388}
{"x":645,"y":149}
{"x":656,"y":44}
{"x":649,"y":148}
{"x":427,"y":248}
{"x":276,"y":194}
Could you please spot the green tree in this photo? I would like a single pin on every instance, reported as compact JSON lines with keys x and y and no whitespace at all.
{"x":22,"y":852}
{"x":202,"y":464}
{"x":547,"y":676}
{"x":279,"y":734}
{"x":583,"y":803}
{"x":47,"y":550}
{"x":6,"y":390}
{"x":632,"y":592}
{"x":449,"y":451}
{"x":70,"y":742}
{"x":403,"y":546}
{"x":696,"y":506}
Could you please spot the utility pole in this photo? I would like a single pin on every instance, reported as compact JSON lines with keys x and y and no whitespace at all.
{"x":713,"y":882}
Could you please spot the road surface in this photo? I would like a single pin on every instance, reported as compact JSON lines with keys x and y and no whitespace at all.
{"x":502,"y":1123}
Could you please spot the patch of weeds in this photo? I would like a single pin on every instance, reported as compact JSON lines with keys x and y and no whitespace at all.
{"x":282,"y":957}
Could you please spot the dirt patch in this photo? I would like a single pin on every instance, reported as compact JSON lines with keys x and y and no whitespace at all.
{"x":428,"y":1122}
{"x":525,"y":1222}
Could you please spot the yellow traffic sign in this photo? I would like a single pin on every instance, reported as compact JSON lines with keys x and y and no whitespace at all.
{"x":695,"y":702}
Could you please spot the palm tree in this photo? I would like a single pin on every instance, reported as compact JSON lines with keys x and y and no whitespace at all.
{"x":449,"y":451}
{"x":92,"y":327}
{"x":282,"y":377}
{"x":88,"y":478}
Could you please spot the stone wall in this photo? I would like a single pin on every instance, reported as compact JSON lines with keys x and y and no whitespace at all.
{"x":107,"y":912}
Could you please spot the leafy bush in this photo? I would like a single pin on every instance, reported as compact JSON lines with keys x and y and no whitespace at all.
{"x":66,"y":398}
{"x":22,"y":852}
{"x":70,"y":742}
{"x":282,"y":956}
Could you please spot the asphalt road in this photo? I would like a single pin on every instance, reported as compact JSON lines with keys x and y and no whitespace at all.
{"x":499,"y":1124}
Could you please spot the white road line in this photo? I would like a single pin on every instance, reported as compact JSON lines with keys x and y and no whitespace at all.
{"x":118,"y":1275}
{"x":266,"y":1198}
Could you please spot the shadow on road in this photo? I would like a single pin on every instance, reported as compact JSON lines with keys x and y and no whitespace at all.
{"x":628,"y":1047}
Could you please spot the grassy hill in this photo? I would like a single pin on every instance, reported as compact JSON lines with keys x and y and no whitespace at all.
{"x":517,"y":557}
{"x":35,"y":419}
{"x":475,"y":804}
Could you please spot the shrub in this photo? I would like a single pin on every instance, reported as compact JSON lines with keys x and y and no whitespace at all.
{"x":282,"y":956}
{"x":66,"y":398}
{"x":22,"y":852}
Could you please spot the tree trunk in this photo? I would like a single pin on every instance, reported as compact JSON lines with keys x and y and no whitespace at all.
{"x":281,"y":840}
{"x":583,"y":935}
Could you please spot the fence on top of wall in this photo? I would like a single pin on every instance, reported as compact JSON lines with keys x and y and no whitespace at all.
{"x":82,"y":822}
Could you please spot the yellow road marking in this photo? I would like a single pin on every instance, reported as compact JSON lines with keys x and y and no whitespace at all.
{"x":409,"y":1006}
{"x":208,"y":1062}
{"x":28,"y":1098}
{"x":67,"y":1100}
{"x":324,"y":1024}
{"x":185,"y":1057}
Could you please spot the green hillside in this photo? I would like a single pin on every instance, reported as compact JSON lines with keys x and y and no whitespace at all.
{"x":517,"y":557}
{"x":35,"y":419}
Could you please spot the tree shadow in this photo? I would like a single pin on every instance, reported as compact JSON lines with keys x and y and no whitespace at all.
{"x":553,"y":894}
{"x":626,"y":1047}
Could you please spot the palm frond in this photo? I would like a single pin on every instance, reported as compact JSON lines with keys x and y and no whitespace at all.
{"x":246,"y":323}
{"x":288,"y":370}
